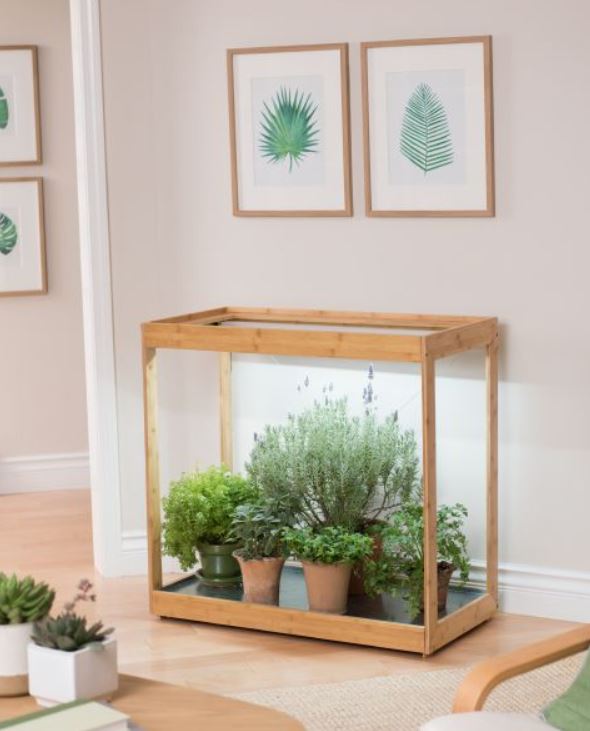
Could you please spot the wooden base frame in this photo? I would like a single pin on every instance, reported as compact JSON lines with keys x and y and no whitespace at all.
{"x":272,"y":331}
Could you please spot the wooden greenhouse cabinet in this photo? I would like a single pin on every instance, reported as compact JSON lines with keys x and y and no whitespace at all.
{"x":334,"y":335}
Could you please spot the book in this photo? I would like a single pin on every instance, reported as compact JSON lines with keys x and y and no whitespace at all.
{"x":76,"y":716}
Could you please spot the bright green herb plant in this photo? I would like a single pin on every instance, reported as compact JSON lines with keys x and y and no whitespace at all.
{"x":70,"y":631}
{"x":200,"y":509}
{"x":328,"y":545}
{"x":399,"y":569}
{"x":335,"y":469}
{"x":23,"y":600}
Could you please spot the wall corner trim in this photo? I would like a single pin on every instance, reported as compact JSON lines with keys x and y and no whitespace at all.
{"x":44,"y":472}
{"x":96,"y":285}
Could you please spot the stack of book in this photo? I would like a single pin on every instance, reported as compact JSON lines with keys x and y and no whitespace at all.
{"x":76,"y":716}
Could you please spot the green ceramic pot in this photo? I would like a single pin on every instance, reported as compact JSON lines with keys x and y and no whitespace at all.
{"x":218,"y":566}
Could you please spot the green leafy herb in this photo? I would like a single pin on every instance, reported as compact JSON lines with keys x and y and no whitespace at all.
{"x":258,"y":528}
{"x":288,"y":127}
{"x":327,"y":545}
{"x":200,"y":509}
{"x":425,"y":136}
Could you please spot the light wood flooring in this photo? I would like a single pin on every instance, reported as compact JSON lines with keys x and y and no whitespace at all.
{"x":49,"y":535}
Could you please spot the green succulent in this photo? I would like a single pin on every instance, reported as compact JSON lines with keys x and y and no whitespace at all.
{"x":68,"y":632}
{"x":23,"y":600}
{"x":288,"y":127}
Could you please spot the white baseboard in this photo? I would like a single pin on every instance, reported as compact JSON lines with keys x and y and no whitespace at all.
{"x":43,"y":472}
{"x":532,"y":590}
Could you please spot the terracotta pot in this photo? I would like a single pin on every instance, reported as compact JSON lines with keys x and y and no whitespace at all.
{"x":357,"y":579}
{"x":327,"y":586}
{"x":261,"y":579}
{"x":218,"y":566}
{"x":444,"y":572}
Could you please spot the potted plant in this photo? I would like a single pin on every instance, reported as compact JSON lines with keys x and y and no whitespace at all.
{"x":22,"y":602}
{"x":328,"y":555}
{"x":198,"y":515}
{"x":399,"y":569}
{"x":258,"y":528}
{"x":68,"y":659}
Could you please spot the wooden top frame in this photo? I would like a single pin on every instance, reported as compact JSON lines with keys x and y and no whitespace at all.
{"x":486,"y":42}
{"x":342,"y":48}
{"x":205,"y":331}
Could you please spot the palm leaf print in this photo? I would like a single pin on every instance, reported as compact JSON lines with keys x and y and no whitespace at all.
{"x":425,"y":138}
{"x":288,"y":127}
{"x":3,"y":109}
{"x":8,"y":234}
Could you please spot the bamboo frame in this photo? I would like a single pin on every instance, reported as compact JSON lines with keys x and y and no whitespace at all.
{"x":489,"y":209}
{"x":342,"y":48}
{"x":250,"y":332}
{"x":35,"y":68}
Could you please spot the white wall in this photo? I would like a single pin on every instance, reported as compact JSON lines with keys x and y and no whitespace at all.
{"x":176,"y":246}
{"x":43,"y":441}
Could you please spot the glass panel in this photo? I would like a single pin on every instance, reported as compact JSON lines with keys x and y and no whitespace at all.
{"x":461,"y":428}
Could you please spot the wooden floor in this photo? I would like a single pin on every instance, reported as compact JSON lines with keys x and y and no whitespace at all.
{"x":49,"y":535}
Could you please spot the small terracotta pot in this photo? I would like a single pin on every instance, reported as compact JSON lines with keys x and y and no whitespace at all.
{"x":261,"y":579}
{"x":444,"y":572}
{"x":327,"y":586}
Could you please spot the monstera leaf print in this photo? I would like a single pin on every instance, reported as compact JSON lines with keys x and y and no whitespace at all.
{"x":8,"y":234}
{"x":4,"y":114}
{"x":288,"y":128}
{"x":425,"y":138}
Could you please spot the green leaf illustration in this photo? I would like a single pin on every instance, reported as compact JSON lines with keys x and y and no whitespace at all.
{"x":288,"y":127}
{"x":8,"y":234}
{"x":4,"y":114}
{"x":425,"y":138}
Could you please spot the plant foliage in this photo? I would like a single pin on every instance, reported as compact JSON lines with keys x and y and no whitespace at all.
{"x":288,"y":127}
{"x":23,"y":600}
{"x":70,"y":631}
{"x":200,"y":509}
{"x":399,"y":569}
{"x":8,"y":234}
{"x":258,"y":528}
{"x":334,"y":469}
{"x":327,"y":545}
{"x":425,"y":138}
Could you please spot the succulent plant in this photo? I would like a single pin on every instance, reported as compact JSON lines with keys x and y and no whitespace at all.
{"x":70,"y":631}
{"x":23,"y":600}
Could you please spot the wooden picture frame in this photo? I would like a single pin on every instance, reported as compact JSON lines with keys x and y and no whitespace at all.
{"x":259,"y":181}
{"x":25,"y":274}
{"x":420,"y":339}
{"x":20,"y":143}
{"x":463,"y":182}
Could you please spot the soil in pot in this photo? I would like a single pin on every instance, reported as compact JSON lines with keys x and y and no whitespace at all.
{"x":218,"y":565}
{"x":261,"y":579}
{"x":327,"y":586}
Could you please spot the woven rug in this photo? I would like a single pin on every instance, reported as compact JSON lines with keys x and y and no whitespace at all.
{"x":404,"y":702}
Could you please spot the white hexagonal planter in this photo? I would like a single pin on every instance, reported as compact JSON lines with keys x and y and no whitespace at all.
{"x":59,"y":677}
{"x":14,"y":639}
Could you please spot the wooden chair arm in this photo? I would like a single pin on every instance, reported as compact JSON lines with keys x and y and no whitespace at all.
{"x":484,"y":677}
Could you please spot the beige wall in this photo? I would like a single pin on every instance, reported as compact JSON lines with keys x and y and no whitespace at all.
{"x":176,"y":246}
{"x":42,"y":400}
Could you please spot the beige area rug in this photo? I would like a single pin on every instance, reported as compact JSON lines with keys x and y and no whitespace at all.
{"x":404,"y":702}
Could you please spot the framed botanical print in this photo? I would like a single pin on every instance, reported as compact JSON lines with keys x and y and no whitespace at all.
{"x":289,"y":129}
{"x":20,"y":132}
{"x":22,"y":237}
{"x":428,"y":127}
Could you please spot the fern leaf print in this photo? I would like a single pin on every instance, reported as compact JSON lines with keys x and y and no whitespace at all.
{"x":425,"y":137}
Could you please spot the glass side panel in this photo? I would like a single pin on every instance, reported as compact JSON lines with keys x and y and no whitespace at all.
{"x":461,"y":429}
{"x":293,"y":596}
